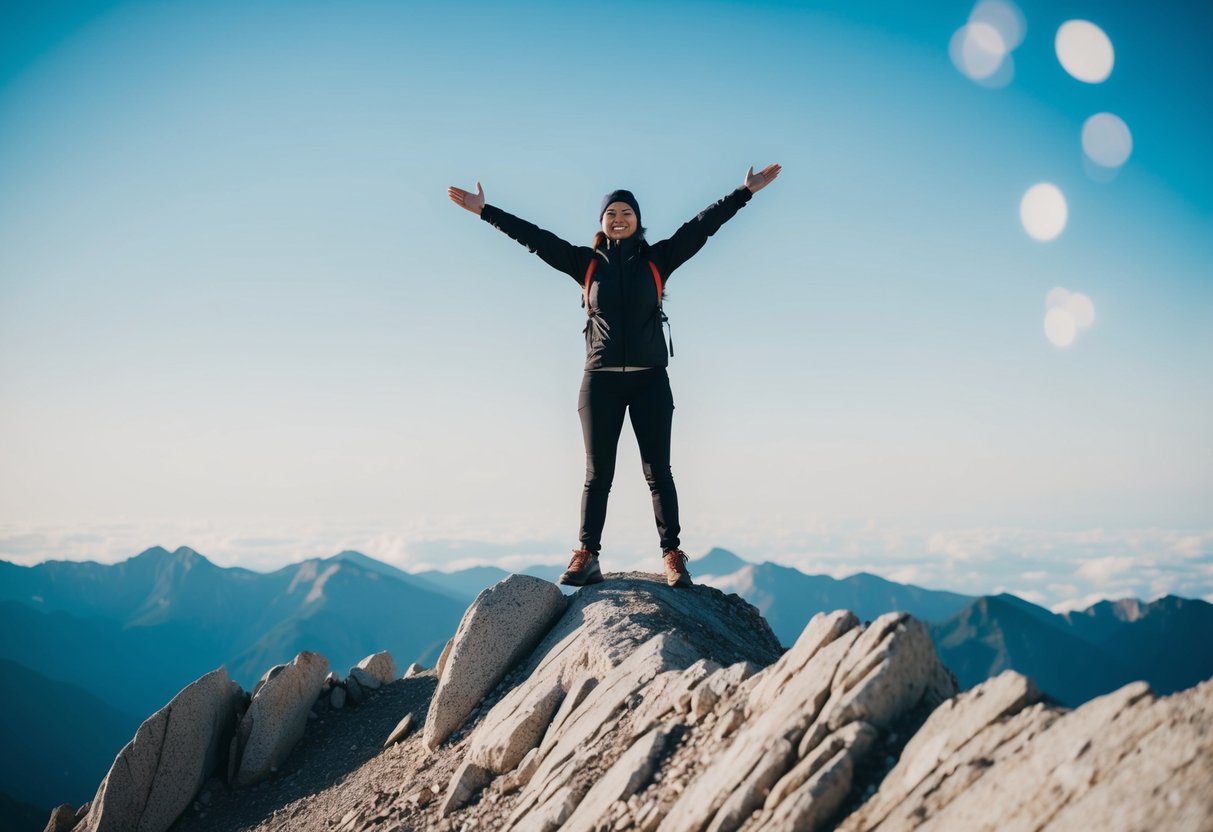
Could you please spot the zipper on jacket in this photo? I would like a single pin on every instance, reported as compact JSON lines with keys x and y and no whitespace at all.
{"x":623,"y":306}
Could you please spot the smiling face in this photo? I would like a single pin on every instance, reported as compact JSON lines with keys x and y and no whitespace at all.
{"x":619,"y":221}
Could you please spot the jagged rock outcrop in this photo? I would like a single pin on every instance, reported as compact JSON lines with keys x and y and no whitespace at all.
{"x":666,"y":710}
{"x":996,"y":758}
{"x":63,"y":819}
{"x":809,"y":720}
{"x":154,"y":778}
{"x":276,"y":717}
{"x":499,"y":628}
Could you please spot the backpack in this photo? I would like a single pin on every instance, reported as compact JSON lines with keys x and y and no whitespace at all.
{"x":589,"y":279}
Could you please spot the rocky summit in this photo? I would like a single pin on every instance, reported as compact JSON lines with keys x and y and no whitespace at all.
{"x":631,"y":705}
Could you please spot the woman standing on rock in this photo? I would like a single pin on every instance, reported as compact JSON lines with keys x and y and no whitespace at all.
{"x":622,"y":278}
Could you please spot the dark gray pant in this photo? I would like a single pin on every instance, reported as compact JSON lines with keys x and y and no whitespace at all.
{"x":646,"y":396}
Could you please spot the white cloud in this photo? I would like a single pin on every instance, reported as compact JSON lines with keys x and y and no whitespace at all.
{"x":1194,"y":546}
{"x":1032,"y":595}
{"x":1103,"y":570}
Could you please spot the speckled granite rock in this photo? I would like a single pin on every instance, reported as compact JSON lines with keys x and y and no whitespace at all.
{"x":809,"y":720}
{"x":154,"y":778}
{"x":622,"y":646}
{"x":995,"y":759}
{"x":277,"y":716}
{"x":500,"y":627}
{"x":379,"y":666}
{"x":63,"y":819}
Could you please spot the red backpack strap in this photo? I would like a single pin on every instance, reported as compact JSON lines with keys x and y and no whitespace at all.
{"x":657,"y":280}
{"x":585,"y":289}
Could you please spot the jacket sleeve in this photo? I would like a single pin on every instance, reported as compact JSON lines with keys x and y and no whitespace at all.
{"x":688,"y":239}
{"x":557,"y":253}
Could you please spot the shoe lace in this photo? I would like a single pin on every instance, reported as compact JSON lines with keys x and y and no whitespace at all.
{"x":676,"y":561}
{"x":581,"y":558}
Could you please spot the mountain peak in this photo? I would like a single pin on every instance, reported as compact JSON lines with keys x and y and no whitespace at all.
{"x":182,"y":554}
{"x":719,"y":562}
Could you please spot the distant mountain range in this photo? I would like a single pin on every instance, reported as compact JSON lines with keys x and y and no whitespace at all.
{"x":1078,"y":656}
{"x":136,"y":632}
{"x":94,"y":649}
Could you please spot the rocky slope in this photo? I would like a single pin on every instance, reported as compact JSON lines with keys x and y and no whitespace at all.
{"x":631,"y":705}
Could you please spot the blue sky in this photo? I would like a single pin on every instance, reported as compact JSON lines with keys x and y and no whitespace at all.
{"x":238,"y":313}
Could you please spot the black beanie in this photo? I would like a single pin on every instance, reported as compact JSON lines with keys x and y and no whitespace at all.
{"x":620,"y":196}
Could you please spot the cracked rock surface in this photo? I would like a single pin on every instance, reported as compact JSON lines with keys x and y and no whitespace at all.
{"x":643,"y":707}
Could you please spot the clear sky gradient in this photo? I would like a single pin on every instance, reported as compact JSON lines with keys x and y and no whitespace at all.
{"x":237,"y":311}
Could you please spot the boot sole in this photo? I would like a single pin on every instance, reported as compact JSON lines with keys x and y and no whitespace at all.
{"x":592,"y":579}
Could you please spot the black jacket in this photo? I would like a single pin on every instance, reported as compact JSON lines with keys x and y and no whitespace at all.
{"x":625,"y":328}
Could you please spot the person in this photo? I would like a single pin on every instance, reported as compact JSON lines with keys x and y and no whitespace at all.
{"x":626,"y":353}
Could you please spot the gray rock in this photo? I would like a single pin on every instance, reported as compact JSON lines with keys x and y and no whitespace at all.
{"x":367,"y":681}
{"x":630,"y":642}
{"x":265,"y":677}
{"x":468,"y":779}
{"x":551,"y":815}
{"x":354,"y":692}
{"x":625,"y":778}
{"x":813,"y":716}
{"x":501,"y":626}
{"x":380,"y":666}
{"x":808,"y":795}
{"x":155,"y":777}
{"x":277,"y":716}
{"x":400,"y":731}
{"x":413,"y":670}
{"x":63,"y":819}
{"x":446,"y":652}
{"x":992,"y":759}
{"x":337,"y":697}
{"x":518,"y":727}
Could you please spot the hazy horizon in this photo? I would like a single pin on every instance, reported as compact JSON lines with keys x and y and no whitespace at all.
{"x":1060,"y":572}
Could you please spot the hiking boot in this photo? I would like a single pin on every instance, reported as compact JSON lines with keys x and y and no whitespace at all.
{"x":676,"y":573}
{"x":583,"y":569}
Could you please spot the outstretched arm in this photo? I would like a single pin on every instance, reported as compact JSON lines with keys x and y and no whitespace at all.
{"x":691,"y":237}
{"x":557,"y":253}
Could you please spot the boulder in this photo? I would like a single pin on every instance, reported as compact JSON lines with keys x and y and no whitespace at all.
{"x":154,"y":778}
{"x":501,"y":626}
{"x":446,"y":653}
{"x":365,"y":680}
{"x":63,"y":819}
{"x":379,"y":666}
{"x":277,"y":716}
{"x":337,"y":697}
{"x":413,"y":670}
{"x":624,"y":654}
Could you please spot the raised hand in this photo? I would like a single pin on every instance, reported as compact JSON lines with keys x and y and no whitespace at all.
{"x":474,"y":202}
{"x":757,"y":181}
